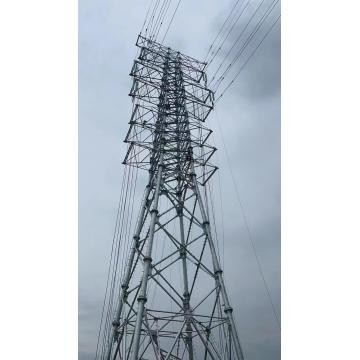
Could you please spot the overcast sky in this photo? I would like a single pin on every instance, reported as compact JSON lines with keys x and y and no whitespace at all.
{"x":249,"y":116}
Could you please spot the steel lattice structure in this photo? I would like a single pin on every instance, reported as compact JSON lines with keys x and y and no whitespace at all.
{"x":173,"y":302}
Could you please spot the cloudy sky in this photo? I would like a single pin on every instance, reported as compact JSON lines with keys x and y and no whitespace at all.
{"x":249,"y":117}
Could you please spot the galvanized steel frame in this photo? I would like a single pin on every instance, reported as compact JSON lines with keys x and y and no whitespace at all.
{"x":167,"y":137}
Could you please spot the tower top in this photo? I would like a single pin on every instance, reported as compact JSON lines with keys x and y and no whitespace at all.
{"x":171,"y":103}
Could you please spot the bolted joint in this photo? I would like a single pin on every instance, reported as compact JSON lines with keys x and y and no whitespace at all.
{"x":137,"y":241}
{"x":124,"y":286}
{"x":142,"y":298}
{"x":206,"y":222}
{"x":116,"y":323}
{"x":154,"y":211}
{"x":228,"y":309}
{"x":182,"y":251}
{"x":218,"y":272}
{"x":148,"y":259}
{"x":125,"y":294}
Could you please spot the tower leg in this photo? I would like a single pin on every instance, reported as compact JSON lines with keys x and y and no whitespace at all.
{"x":125,"y":283}
{"x":147,"y":264}
{"x":186,"y":303}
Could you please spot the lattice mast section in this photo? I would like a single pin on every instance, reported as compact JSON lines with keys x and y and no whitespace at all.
{"x":173,"y":302}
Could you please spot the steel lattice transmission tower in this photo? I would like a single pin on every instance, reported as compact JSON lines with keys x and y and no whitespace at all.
{"x":173,"y":302}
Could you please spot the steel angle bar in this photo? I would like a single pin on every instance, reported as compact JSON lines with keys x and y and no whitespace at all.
{"x":175,"y":341}
{"x":169,"y":294}
{"x":206,"y":296}
{"x":212,"y":351}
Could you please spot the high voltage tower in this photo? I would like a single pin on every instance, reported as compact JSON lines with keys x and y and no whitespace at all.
{"x":173,"y":303}
{"x":165,"y":295}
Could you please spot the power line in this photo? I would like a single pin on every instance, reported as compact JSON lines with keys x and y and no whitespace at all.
{"x":229,"y":32}
{"x":246,"y":43}
{"x":160,"y":18}
{"x":222,"y":27}
{"x":247,"y":225}
{"x":121,"y":232}
{"x":112,"y":259}
{"x":172,"y":18}
{"x":146,"y":16}
{"x":239,"y":36}
{"x":151,"y":19}
{"x":110,"y":262}
{"x":248,"y":59}
{"x":117,"y":252}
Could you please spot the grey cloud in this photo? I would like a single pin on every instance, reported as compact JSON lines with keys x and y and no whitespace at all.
{"x":249,"y":116}
{"x":262,"y":75}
